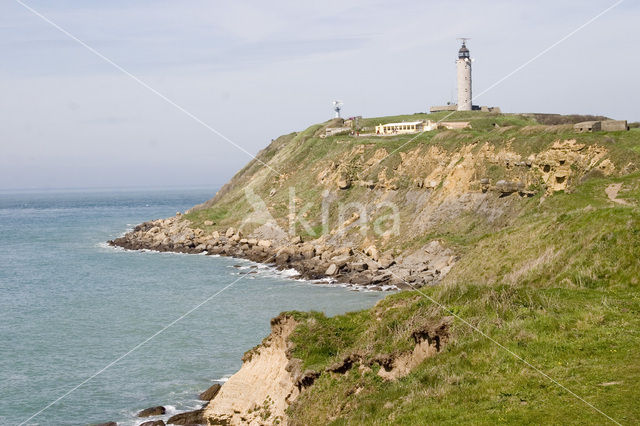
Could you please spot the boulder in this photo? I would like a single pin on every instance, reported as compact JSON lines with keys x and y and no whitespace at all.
{"x":332,"y":269}
{"x":215,"y":235}
{"x":358,"y":266}
{"x":152,"y":411}
{"x":195,"y":417}
{"x":371,"y":265}
{"x":307,"y":251}
{"x":386,"y":261}
{"x":285,"y":254}
{"x":341,"y":260}
{"x":364,"y":278}
{"x":381,"y":278}
{"x":264,"y":243}
{"x":344,"y":250}
{"x":153,"y":423}
{"x":215,"y":250}
{"x":105,"y":424}
{"x":208,"y":223}
{"x":372,"y":252}
{"x":210,"y":393}
{"x":282,"y":257}
{"x":230,"y":232}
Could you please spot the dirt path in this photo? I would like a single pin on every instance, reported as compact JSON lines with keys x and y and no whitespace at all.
{"x":612,"y":192}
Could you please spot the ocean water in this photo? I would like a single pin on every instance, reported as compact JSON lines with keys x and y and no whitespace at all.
{"x":70,"y":306}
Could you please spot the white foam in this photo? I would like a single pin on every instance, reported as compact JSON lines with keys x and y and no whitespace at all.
{"x":170,"y":410}
{"x":269,"y":271}
{"x":105,"y":245}
{"x":289,"y":273}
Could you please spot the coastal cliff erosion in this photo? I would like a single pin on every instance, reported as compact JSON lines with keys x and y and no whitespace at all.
{"x":513,"y":228}
{"x":272,"y":378}
{"x":375,"y":218}
{"x":264,"y":387}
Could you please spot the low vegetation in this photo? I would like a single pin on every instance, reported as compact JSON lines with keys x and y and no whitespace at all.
{"x":542,"y":305}
{"x":558,"y":288}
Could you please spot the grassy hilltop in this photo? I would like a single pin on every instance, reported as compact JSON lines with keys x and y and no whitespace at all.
{"x":545,"y":227}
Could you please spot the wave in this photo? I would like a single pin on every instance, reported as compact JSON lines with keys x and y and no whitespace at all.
{"x":223,"y":379}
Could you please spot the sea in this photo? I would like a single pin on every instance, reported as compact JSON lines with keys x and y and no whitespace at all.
{"x":91,"y":333}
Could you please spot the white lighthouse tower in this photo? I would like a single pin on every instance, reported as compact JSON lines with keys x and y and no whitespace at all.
{"x":463,"y":65}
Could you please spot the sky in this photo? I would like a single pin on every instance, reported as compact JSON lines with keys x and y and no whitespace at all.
{"x":252,"y":71}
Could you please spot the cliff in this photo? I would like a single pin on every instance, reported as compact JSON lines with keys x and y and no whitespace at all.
{"x":508,"y":232}
{"x":264,"y":387}
{"x":393,"y":211}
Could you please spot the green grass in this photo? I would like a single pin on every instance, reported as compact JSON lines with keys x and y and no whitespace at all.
{"x":582,"y":338}
{"x":554,"y":279}
{"x":573,"y":314}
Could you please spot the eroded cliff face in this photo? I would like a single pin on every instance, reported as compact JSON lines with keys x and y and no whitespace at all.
{"x":426,"y":190}
{"x":270,"y":379}
{"x":466,"y":168}
{"x":264,"y":387}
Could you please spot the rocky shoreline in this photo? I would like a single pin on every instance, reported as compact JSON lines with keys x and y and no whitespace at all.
{"x":313,"y":260}
{"x":155,"y":414}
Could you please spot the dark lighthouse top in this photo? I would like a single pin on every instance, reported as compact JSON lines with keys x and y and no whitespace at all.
{"x":463,"y":52}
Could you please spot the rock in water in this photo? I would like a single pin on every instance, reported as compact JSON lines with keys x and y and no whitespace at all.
{"x":153,"y":423}
{"x":189,"y":418}
{"x":210,"y":393}
{"x":152,"y":411}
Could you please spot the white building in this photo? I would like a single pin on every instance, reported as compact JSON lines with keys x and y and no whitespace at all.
{"x":463,"y":65}
{"x":405,"y":127}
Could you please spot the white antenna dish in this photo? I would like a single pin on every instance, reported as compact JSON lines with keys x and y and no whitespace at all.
{"x":337,"y":107}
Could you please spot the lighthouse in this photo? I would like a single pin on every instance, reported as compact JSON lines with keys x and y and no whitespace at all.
{"x":463,"y":65}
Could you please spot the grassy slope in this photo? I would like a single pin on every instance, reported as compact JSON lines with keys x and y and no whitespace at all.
{"x":558,"y":286}
{"x":575,"y":317}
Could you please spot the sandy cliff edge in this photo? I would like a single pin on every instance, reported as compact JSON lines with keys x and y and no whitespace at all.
{"x":261,"y":391}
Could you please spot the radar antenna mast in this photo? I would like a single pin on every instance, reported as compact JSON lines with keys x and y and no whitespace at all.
{"x":337,"y":107}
